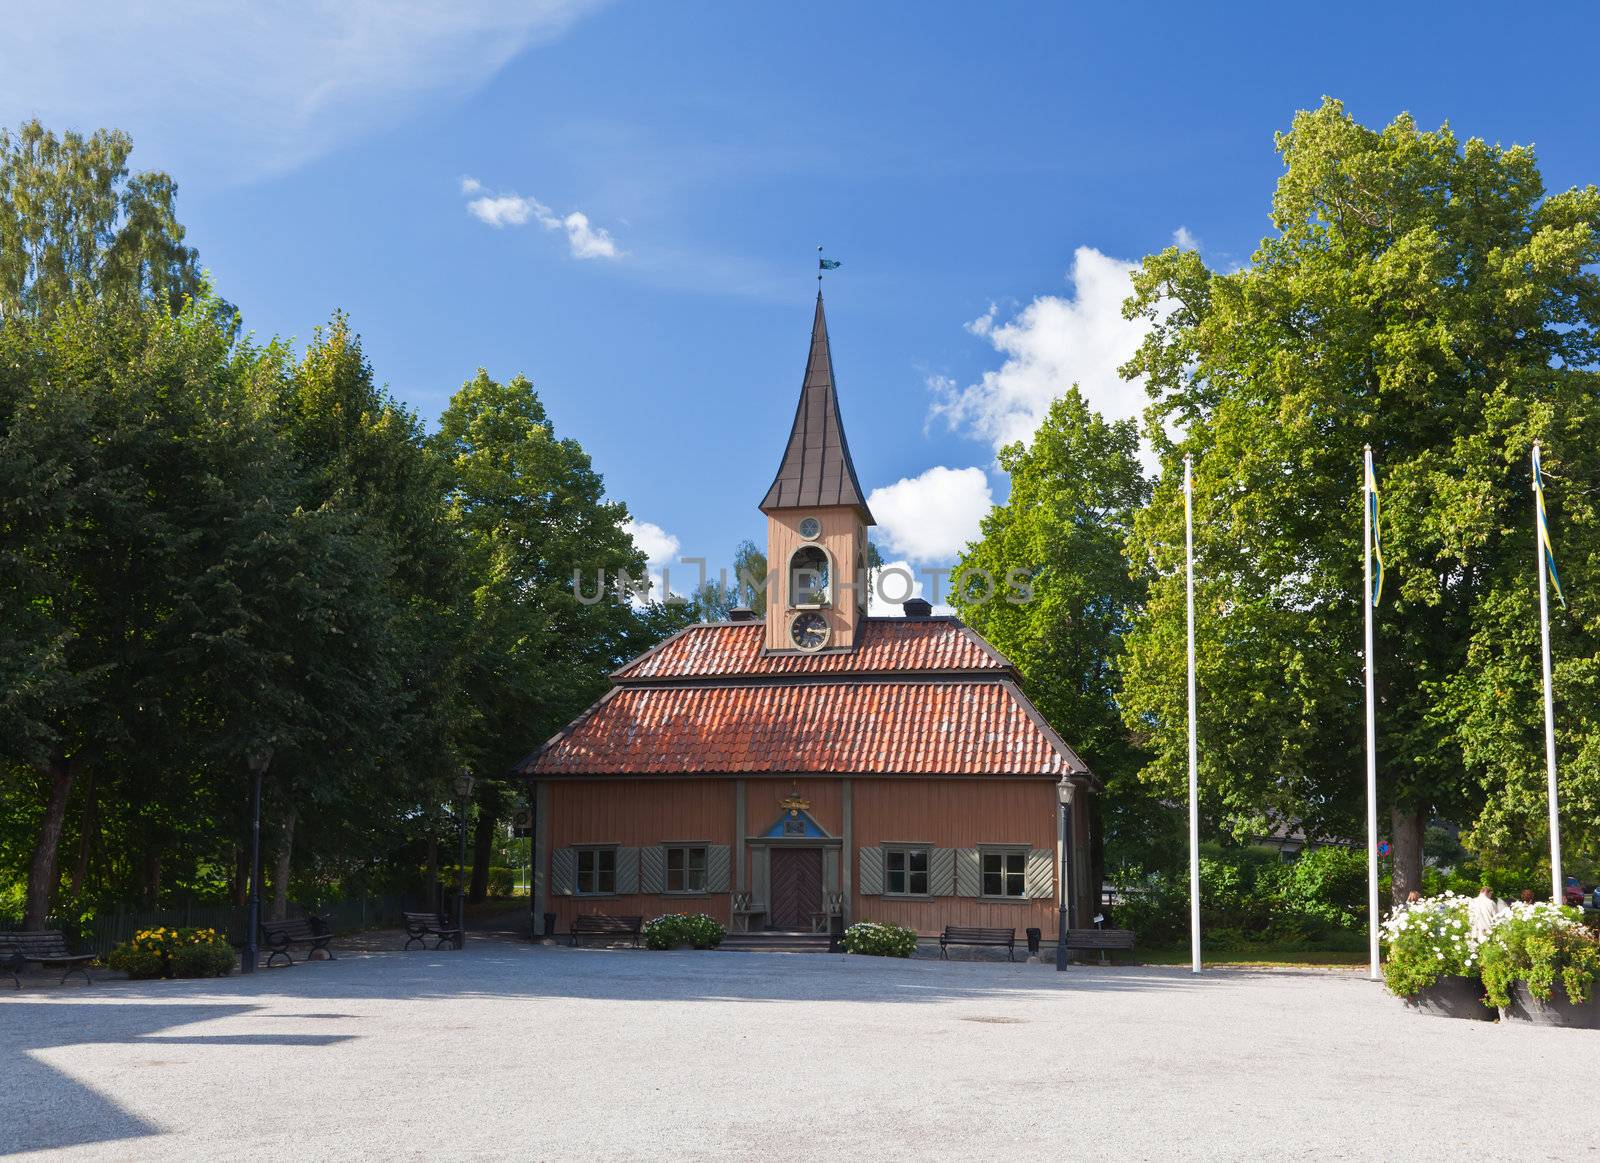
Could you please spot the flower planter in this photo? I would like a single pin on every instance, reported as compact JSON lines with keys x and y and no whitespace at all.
{"x":1452,"y":997}
{"x":1558,"y":1011}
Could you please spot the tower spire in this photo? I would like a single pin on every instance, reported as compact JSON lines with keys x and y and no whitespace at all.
{"x":816,"y":470}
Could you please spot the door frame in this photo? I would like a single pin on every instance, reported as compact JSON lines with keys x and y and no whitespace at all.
{"x":760,"y":849}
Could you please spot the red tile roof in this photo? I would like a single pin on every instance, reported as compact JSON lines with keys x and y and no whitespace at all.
{"x":886,"y":646}
{"x":981,"y":727}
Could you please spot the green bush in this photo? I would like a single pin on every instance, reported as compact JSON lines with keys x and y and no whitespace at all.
{"x":1428,"y":939}
{"x":674,"y":929}
{"x":1536,"y":944}
{"x":878,"y":939}
{"x":1249,"y":895}
{"x":211,"y":959}
{"x":164,"y":952}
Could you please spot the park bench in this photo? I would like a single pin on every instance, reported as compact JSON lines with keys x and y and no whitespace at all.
{"x":1102,"y":939}
{"x":597,"y":925}
{"x":47,"y":947}
{"x":964,"y":935}
{"x":280,"y":936}
{"x":421,"y":926}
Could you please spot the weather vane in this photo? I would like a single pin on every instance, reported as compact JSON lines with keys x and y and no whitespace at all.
{"x":824,"y":264}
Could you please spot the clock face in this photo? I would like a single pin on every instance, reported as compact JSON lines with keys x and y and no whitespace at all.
{"x":810,"y":528}
{"x":809,"y":630}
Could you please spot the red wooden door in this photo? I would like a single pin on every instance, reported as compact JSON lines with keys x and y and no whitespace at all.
{"x":796,"y":887}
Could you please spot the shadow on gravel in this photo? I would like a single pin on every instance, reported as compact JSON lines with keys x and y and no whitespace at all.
{"x":41,"y":1108}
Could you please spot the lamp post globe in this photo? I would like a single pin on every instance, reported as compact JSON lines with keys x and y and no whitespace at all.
{"x":463,"y":793}
{"x":1064,"y":793}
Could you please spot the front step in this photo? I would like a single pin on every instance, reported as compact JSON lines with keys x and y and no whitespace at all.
{"x":775,"y":942}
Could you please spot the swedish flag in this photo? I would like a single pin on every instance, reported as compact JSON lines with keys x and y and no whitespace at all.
{"x":1373,"y":510}
{"x":1544,"y":530}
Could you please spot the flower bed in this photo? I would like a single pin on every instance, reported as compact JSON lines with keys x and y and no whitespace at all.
{"x":876,"y":939}
{"x":1433,"y":957}
{"x":1540,"y":964}
{"x":683,"y":929}
{"x":164,"y":952}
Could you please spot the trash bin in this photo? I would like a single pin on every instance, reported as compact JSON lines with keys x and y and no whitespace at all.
{"x":1033,"y":942}
{"x":549,"y":924}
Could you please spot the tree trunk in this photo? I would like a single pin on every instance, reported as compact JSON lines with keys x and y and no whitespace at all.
{"x":86,"y":836}
{"x":44,"y":871}
{"x":241,"y":876}
{"x":482,"y":853}
{"x":152,"y":878}
{"x":1406,"y":847}
{"x":280,"y":879}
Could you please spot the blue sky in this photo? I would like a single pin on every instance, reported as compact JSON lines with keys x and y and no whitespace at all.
{"x":984,"y":173}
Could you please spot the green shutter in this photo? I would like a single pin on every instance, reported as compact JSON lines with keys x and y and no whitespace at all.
{"x":869,"y":872}
{"x":718,"y":862}
{"x":627,"y":870}
{"x":942,"y":872}
{"x":969,"y":872}
{"x":653,"y":870}
{"x":564,"y":871}
{"x":1040,"y":880}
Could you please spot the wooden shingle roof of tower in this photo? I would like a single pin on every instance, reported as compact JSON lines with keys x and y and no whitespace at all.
{"x":817,"y":470}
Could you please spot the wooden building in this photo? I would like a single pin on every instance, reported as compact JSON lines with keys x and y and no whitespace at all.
{"x":773,"y":771}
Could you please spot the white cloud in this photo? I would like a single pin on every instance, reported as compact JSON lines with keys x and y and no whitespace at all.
{"x":1184,"y":240}
{"x":658,"y":546}
{"x":1052,"y":343}
{"x":508,"y":210}
{"x":238,"y":92}
{"x":588,"y":241}
{"x":501,"y":210}
{"x":930,"y":518}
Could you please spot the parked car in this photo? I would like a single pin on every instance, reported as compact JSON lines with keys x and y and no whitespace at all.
{"x":1574,"y":892}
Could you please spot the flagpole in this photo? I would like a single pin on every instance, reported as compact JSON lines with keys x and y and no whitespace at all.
{"x":1540,"y":532}
{"x":1194,"y":779}
{"x":1372,"y":728}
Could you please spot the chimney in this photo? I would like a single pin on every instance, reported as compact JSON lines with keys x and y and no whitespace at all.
{"x":917,"y":608}
{"x":741,"y":614}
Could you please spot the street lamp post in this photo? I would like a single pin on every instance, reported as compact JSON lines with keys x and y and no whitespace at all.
{"x":1064,"y":792}
{"x":464,"y":792}
{"x":258,"y":761}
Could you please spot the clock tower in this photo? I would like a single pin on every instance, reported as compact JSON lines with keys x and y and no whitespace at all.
{"x":817,"y":521}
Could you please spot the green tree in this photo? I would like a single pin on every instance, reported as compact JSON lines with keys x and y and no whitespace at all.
{"x":538,"y":532}
{"x":1427,"y":296}
{"x":74,"y":225}
{"x":1074,"y":492}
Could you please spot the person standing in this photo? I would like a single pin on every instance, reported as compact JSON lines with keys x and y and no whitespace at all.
{"x":1481,"y":912}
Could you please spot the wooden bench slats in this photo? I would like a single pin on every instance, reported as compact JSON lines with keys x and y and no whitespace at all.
{"x":280,"y":936}
{"x":976,"y":935}
{"x":601,"y":925}
{"x":1099,"y":939}
{"x":41,"y":947}
{"x":421,"y":926}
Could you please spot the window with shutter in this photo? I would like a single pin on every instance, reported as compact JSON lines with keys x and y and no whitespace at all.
{"x":869,"y":872}
{"x":627,"y":870}
{"x":563,"y":872}
{"x":719,"y":866}
{"x":942,"y":872}
{"x":653,"y":870}
{"x":1041,"y":878}
{"x":969,"y":875}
